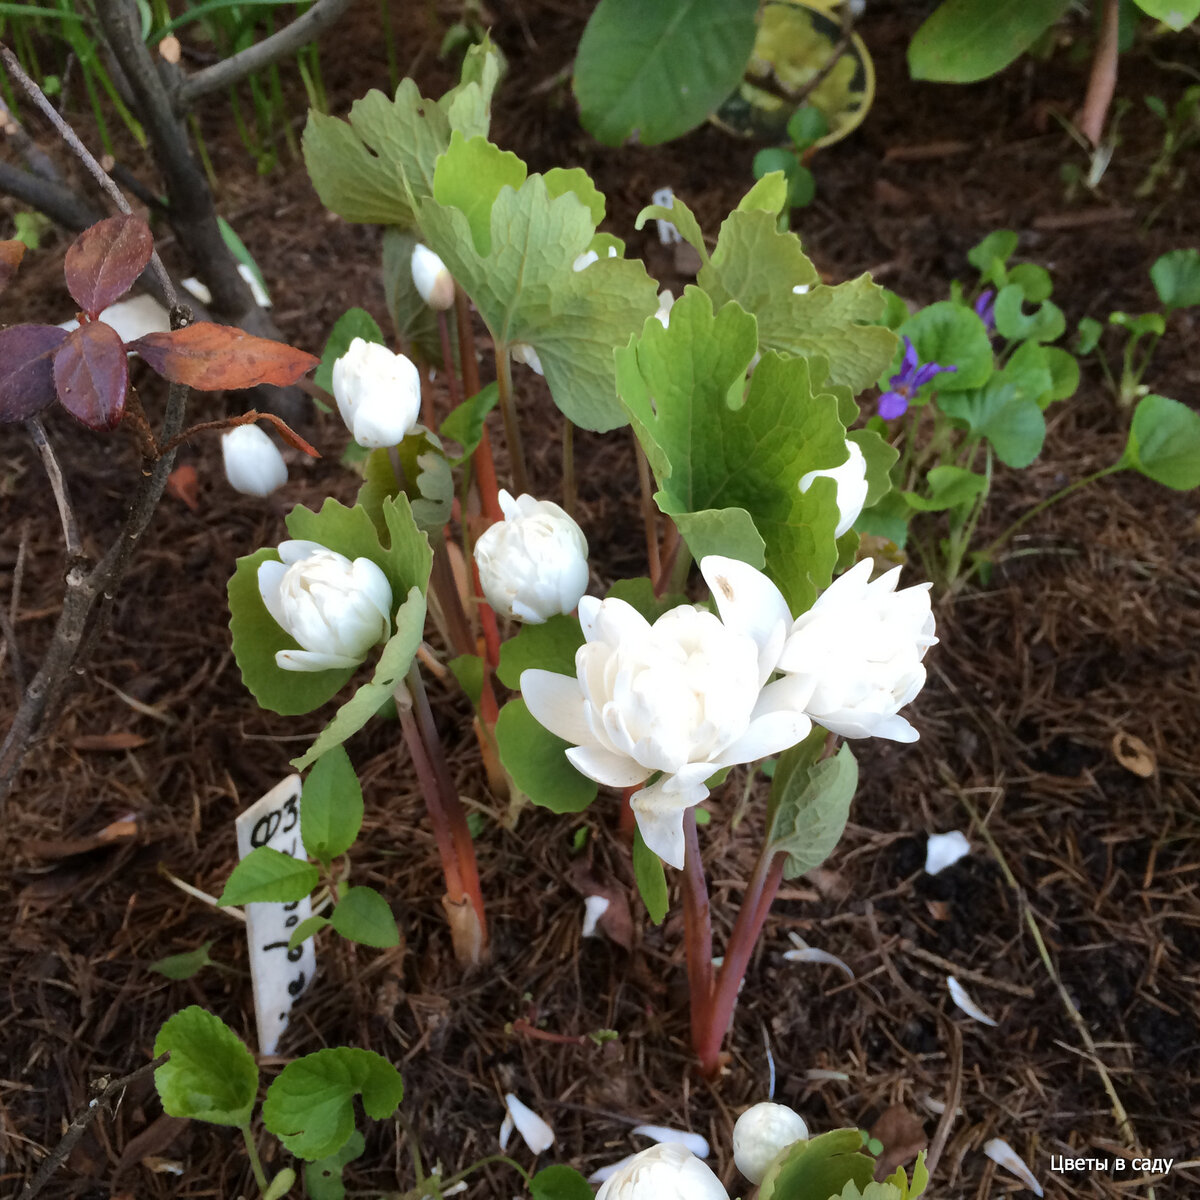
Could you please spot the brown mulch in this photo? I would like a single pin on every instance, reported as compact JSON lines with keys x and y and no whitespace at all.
{"x":1086,"y":637}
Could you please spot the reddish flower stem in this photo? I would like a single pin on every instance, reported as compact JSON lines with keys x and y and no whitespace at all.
{"x":627,"y":822}
{"x":448,"y":359}
{"x":697,"y":926}
{"x":482,"y":461}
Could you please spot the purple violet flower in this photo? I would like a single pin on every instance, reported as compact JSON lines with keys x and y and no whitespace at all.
{"x":909,"y":380}
{"x":985,"y":309}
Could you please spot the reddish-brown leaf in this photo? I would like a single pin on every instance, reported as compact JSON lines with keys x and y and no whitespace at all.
{"x":184,"y":484}
{"x":105,"y":259}
{"x":91,"y":375}
{"x":215,"y":357}
{"x":11,"y":254}
{"x":903,"y":1138}
{"x":27,"y":369}
{"x":119,"y":739}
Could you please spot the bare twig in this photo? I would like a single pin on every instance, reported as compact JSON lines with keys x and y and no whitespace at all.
{"x":106,"y":1091}
{"x":15,"y":665}
{"x":1103,"y":80}
{"x":942,"y":1133}
{"x":58,"y":485}
{"x":56,"y":200}
{"x":84,"y":155}
{"x":291,"y":37}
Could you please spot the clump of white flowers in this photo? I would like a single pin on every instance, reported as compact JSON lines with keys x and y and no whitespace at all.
{"x":761,"y":1133}
{"x":334,"y":608}
{"x":434,"y":283}
{"x":666,"y":1172}
{"x":533,"y":564}
{"x":253,"y":464}
{"x":378,"y":393}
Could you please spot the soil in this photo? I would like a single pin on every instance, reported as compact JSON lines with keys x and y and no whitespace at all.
{"x":1087,"y":635}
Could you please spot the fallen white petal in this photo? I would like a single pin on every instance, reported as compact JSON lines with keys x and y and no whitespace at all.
{"x":816,"y":1073}
{"x":537,"y":1134}
{"x":999,"y":1151}
{"x":594,"y":907}
{"x":944,"y":849}
{"x":506,"y":1130}
{"x":662,"y":1133}
{"x":600,"y":1174}
{"x":959,"y":995}
{"x":806,"y":953}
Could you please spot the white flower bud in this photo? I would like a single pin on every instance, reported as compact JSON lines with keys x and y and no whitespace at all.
{"x":433,"y":282}
{"x":336,"y":609}
{"x":253,"y":464}
{"x":666,"y":1172}
{"x":378,"y":394}
{"x":851,"y":480}
{"x":533,"y":564}
{"x":522,"y":352}
{"x":666,"y":301}
{"x":761,"y":1133}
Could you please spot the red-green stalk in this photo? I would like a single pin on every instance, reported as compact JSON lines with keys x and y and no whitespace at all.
{"x":697,"y":927}
{"x":482,"y":462}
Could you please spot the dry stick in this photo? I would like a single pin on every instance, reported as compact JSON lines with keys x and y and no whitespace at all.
{"x":1122,"y":1117}
{"x":1103,"y":80}
{"x":942,"y":1133}
{"x":77,"y":1128}
{"x":58,"y":485}
{"x":697,"y":926}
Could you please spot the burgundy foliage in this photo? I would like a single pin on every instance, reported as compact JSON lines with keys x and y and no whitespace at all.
{"x":105,"y":260}
{"x":26,"y":369}
{"x":91,"y":374}
{"x":214,"y":357}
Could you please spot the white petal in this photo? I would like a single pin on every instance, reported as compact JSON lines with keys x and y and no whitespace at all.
{"x":556,"y":701}
{"x":659,"y":813}
{"x":506,"y":1130}
{"x":613,"y":770}
{"x":959,"y":995}
{"x":749,"y":603}
{"x":270,"y":575}
{"x":594,"y":907}
{"x":999,"y":1151}
{"x":297,"y":548}
{"x":663,"y":1133}
{"x":769,"y":734}
{"x":805,"y":953}
{"x":373,"y":583}
{"x":312,"y":660}
{"x":537,"y":1134}
{"x":945,"y":849}
{"x":600,"y":1174}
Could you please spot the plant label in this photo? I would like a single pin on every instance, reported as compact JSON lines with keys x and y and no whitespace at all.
{"x":667,"y":233}
{"x":279,"y":974}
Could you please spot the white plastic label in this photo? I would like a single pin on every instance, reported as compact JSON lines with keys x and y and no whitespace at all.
{"x":279,"y":974}
{"x":667,"y":233}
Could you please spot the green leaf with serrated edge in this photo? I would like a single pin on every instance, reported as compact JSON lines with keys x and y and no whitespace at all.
{"x":469,"y":105}
{"x":427,"y":481}
{"x":280,"y":1185}
{"x":820,"y":1166}
{"x":658,"y":70}
{"x":527,"y":291}
{"x":880,"y":458}
{"x":1045,"y":324}
{"x":873,"y":1191}
{"x":478,"y":172}
{"x":183,"y":966}
{"x":550,"y":646}
{"x":256,"y":639}
{"x":682,"y":218}
{"x":963,"y":41}
{"x":464,"y":424}
{"x":393,"y":665}
{"x":1178,"y":14}
{"x":1011,"y":422}
{"x":727,"y":531}
{"x":1088,"y":335}
{"x":331,"y":806}
{"x":354,"y":323}
{"x":561,"y":180}
{"x":1064,"y":375}
{"x":310,"y":1105}
{"x":769,"y":193}
{"x":1164,"y":443}
{"x":267,"y":875}
{"x":362,"y":915}
{"x":810,"y":809}
{"x":1034,"y":281}
{"x":468,"y":670}
{"x":560,"y":1183}
{"x":639,"y":593}
{"x":1176,"y":275}
{"x":949,"y":335}
{"x":888,"y":519}
{"x":415,"y":323}
{"x":711,"y":450}
{"x":306,"y":929}
{"x":323,"y":1178}
{"x":651,"y":879}
{"x":948,"y":486}
{"x":210,"y":1076}
{"x":1000,"y":244}
{"x":537,"y":761}
{"x":378,"y":166}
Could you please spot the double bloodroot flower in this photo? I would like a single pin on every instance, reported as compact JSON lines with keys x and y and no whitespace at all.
{"x":336,"y":609}
{"x":679,"y":699}
{"x":434,"y":283}
{"x":907,"y":382}
{"x":761,"y":1134}
{"x":851,"y":481}
{"x":666,"y":1172}
{"x":533,"y":564}
{"x":253,"y":464}
{"x":378,"y":394}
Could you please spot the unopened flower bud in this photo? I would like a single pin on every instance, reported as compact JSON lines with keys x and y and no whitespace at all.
{"x":253,"y":464}
{"x":851,"y":480}
{"x":761,"y":1134}
{"x":433,"y":282}
{"x":666,"y":1172}
{"x":378,"y":394}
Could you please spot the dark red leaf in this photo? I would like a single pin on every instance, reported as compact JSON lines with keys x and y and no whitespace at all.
{"x":26,"y":369}
{"x":11,"y":254}
{"x":184,"y":484}
{"x":105,"y":259}
{"x":214,"y":357}
{"x":91,"y":375}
